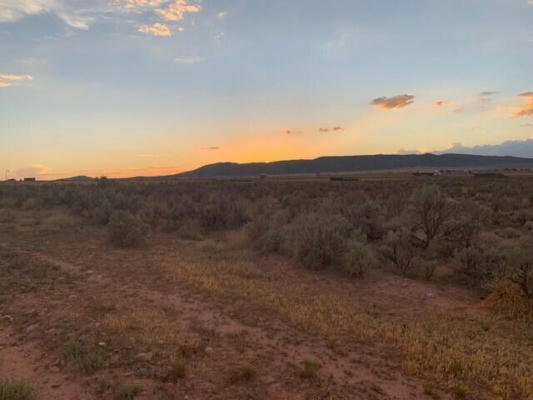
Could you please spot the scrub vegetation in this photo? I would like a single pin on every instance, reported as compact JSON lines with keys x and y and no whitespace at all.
{"x":389,"y":286}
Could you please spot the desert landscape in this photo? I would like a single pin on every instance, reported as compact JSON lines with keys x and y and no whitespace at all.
{"x":392,"y":286}
{"x":266,"y":200}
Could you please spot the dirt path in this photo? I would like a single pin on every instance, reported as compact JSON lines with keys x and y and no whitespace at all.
{"x":352,"y":372}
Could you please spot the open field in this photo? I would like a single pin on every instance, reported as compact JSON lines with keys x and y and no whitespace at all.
{"x":392,"y":287}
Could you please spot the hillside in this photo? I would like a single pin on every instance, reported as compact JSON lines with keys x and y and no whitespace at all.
{"x":354,"y":164}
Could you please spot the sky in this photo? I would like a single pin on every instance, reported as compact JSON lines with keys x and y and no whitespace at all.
{"x":153,"y":87}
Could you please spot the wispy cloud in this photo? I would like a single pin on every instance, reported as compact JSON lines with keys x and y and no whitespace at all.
{"x":526,"y":109}
{"x":189,"y":60}
{"x":322,"y":129}
{"x":517,"y":148}
{"x":13,"y":10}
{"x":390,"y":103}
{"x":176,"y":10}
{"x":35,"y":170}
{"x":137,"y":4}
{"x":12,"y":79}
{"x":488,"y":93}
{"x":213,"y":148}
{"x":156,"y":29}
{"x":222,"y":14}
{"x":441,"y":103}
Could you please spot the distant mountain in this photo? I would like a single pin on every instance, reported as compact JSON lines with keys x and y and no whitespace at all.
{"x":342,"y":164}
{"x":80,"y":178}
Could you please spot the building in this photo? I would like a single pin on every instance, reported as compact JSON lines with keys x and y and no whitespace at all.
{"x":29,"y":179}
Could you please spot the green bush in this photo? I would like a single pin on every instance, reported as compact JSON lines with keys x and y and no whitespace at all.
{"x":358,"y":259}
{"x":319,"y":240}
{"x":126,"y":230}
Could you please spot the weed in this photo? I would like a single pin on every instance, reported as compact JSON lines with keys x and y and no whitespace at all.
{"x":16,"y":390}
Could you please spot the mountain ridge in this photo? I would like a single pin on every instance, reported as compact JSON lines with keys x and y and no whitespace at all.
{"x":341,"y":164}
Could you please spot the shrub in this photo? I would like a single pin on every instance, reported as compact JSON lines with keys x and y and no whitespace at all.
{"x":358,"y":259}
{"x":320,"y":241}
{"x":85,"y":358}
{"x":126,"y":230}
{"x":479,"y":266}
{"x":521,"y":274}
{"x":429,"y":208}
{"x":509,"y":299}
{"x":367,"y":218}
{"x":426,"y":267}
{"x":398,"y":249}
{"x":462,"y":231}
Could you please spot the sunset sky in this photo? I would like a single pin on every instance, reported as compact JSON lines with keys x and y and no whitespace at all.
{"x":153,"y":87}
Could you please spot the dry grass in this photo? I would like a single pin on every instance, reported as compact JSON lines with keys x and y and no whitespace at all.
{"x":456,"y":350}
{"x":16,"y":390}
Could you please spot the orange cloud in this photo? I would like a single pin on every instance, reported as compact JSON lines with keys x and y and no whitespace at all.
{"x":441,"y":103}
{"x":390,"y":103}
{"x":526,"y":109}
{"x":156,"y":29}
{"x":10,"y":79}
{"x":129,"y":4}
{"x":177,"y":9}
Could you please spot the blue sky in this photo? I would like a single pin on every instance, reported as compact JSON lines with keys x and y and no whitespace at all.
{"x":127,"y":87}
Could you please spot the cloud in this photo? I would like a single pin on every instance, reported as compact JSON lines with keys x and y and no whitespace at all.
{"x":516,"y":148}
{"x":213,"y":148}
{"x":12,"y":79}
{"x":189,"y":60}
{"x":35,"y":170}
{"x":156,"y":29}
{"x":14,"y":10}
{"x":177,"y":9}
{"x":222,"y":14}
{"x":136,"y":4}
{"x":526,"y":109}
{"x":487,"y":93}
{"x":319,"y":130}
{"x":390,"y":103}
{"x":441,"y":103}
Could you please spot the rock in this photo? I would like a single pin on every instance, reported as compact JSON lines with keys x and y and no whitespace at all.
{"x":208,"y":350}
{"x":102,"y":344}
{"x":144,"y":356}
{"x":54,"y":369}
{"x":430,"y":295}
{"x":31,"y":327}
